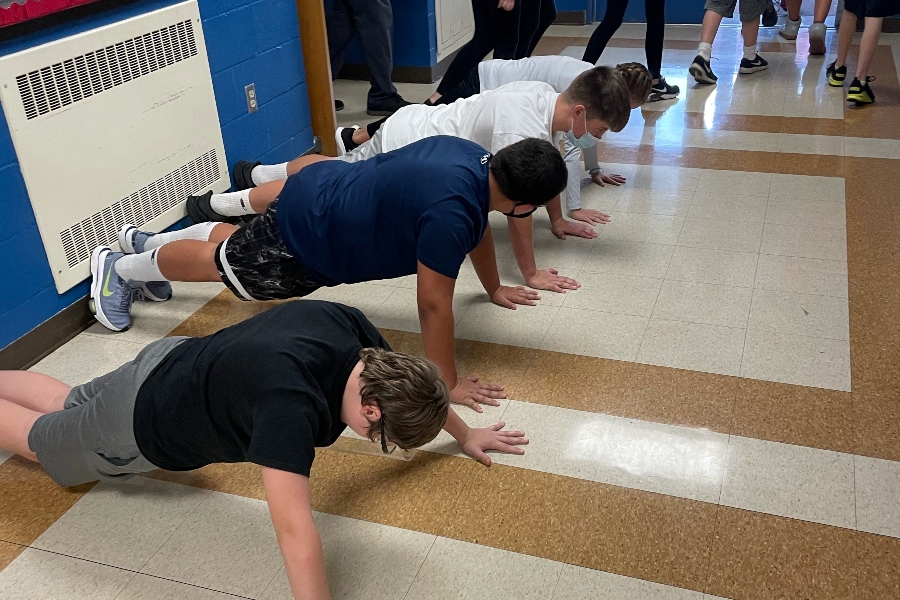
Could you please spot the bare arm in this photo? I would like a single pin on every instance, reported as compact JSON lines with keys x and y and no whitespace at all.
{"x":298,"y":538}
{"x":485,"y":262}
{"x":434,"y":295}
{"x":521,"y":235}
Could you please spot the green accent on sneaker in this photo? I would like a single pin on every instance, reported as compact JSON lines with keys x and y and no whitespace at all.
{"x":105,"y":290}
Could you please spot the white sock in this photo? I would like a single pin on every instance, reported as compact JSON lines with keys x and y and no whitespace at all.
{"x":705,"y":50}
{"x":793,"y":22}
{"x":200,"y":231}
{"x":750,"y":52}
{"x":232,"y":204}
{"x":265,"y":173}
{"x":139,"y":267}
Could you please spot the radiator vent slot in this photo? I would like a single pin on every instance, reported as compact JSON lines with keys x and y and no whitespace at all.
{"x":144,"y":205}
{"x":58,"y":85}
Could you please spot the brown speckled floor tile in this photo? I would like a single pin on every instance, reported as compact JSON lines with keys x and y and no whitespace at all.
{"x":8,"y":553}
{"x":762,"y":557}
{"x":240,"y":479}
{"x":30,"y":501}
{"x":878,"y":564}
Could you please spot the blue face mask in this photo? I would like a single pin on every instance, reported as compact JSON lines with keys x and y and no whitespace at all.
{"x":585,"y":141}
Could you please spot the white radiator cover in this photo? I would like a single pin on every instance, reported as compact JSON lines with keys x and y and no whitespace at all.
{"x":115,"y":125}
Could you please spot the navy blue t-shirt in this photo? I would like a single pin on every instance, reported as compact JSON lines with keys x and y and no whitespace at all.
{"x":352,"y":222}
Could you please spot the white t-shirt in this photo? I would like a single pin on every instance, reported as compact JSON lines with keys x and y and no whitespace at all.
{"x":558,"y":71}
{"x":494,"y":119}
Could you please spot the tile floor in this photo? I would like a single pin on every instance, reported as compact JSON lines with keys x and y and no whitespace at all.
{"x":750,"y":267}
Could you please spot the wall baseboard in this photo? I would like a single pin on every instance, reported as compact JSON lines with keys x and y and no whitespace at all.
{"x":402,"y":74}
{"x":571,"y":17}
{"x":47,"y":337}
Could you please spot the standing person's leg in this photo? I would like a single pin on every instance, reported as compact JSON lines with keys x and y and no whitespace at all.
{"x":751,"y":11}
{"x":817,"y":29}
{"x":836,"y":73}
{"x":339,"y":24}
{"x":529,"y":20}
{"x":547,"y":17}
{"x":859,"y":90}
{"x":791,"y":26}
{"x":612,"y":20}
{"x":700,"y":69}
{"x":505,"y":30}
{"x":653,"y":47}
{"x":374,"y":20}
{"x":471,"y":54}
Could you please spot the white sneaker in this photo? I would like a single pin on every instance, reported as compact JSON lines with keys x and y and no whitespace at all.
{"x":343,"y":136}
{"x":790,"y":29}
{"x":817,"y":38}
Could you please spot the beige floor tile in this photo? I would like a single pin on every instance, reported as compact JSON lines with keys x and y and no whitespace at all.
{"x":525,"y":326}
{"x":678,"y":178}
{"x":87,"y":356}
{"x":636,"y":227}
{"x":36,"y":574}
{"x":802,"y":275}
{"x":367,"y":297}
{"x":703,"y":303}
{"x":804,"y":242}
{"x":715,"y":234}
{"x":800,"y":314}
{"x":448,"y":573}
{"x":694,"y":346}
{"x":801,"y":360}
{"x":122,"y":525}
{"x":615,"y":293}
{"x":144,"y":587}
{"x":807,"y":213}
{"x":595,"y":333}
{"x":227,"y":545}
{"x":628,"y":258}
{"x":790,"y":481}
{"x":718,"y":267}
{"x":363,"y":559}
{"x":728,"y":207}
{"x":729,"y":183}
{"x":877,"y":491}
{"x":578,"y":583}
{"x":807,"y":187}
{"x":654,"y":201}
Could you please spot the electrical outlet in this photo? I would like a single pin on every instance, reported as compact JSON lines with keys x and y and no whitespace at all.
{"x":250,"y":93}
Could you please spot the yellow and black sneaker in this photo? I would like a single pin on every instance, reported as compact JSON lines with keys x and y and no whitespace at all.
{"x":836,"y":75}
{"x":860,"y":93}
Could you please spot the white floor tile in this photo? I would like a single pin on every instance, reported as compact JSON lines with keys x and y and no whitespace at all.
{"x":677,"y":178}
{"x":448,"y":573}
{"x":802,"y":275}
{"x":729,"y":183}
{"x":654,"y":202}
{"x":800,"y":314}
{"x":665,"y":459}
{"x":807,"y":213}
{"x":807,"y":187}
{"x":363,"y":559}
{"x":600,"y":198}
{"x":718,"y":267}
{"x":877,"y":494}
{"x":144,"y":587}
{"x":400,"y":309}
{"x":801,"y":360}
{"x":4,"y":455}
{"x":87,"y":356}
{"x":40,"y":575}
{"x":122,"y":525}
{"x":578,"y":583}
{"x":444,"y":442}
{"x":810,"y":144}
{"x":615,"y":293}
{"x":871,"y":148}
{"x":708,"y":348}
{"x":637,"y":227}
{"x":804,"y":242}
{"x":716,"y":234}
{"x":790,"y":481}
{"x":228,"y":545}
{"x":594,"y":333}
{"x":550,"y":251}
{"x":525,"y":326}
{"x":367,"y":297}
{"x":628,"y":258}
{"x":728,"y":207}
{"x":703,"y":303}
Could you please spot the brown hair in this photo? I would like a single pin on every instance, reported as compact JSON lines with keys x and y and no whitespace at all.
{"x":638,"y":80}
{"x":604,"y":94}
{"x":414,"y":401}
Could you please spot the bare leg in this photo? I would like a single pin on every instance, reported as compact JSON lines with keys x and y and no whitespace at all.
{"x":793,"y":9}
{"x":298,"y":163}
{"x":221,"y":232}
{"x":15,"y":424}
{"x":188,"y":260}
{"x":711,"y":22}
{"x":867,"y":46}
{"x":845,"y":38}
{"x":821,"y":11}
{"x":750,"y":32}
{"x":361,"y":136}
{"x":263,"y":195}
{"x":34,"y":391}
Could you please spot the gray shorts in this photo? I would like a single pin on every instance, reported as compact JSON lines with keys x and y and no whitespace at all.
{"x":750,"y":9}
{"x":93,"y":437}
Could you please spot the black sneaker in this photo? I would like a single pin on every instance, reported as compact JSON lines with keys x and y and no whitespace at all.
{"x":240,"y":174}
{"x":661,"y":90}
{"x":860,"y":93}
{"x":769,"y":16}
{"x":701,"y":71}
{"x":387,"y":107}
{"x":344,"y":138}
{"x":338,"y":106}
{"x":200,"y":210}
{"x":836,"y":75}
{"x":752,"y":66}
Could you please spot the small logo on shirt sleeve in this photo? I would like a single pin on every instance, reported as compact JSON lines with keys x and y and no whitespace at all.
{"x":485,"y":159}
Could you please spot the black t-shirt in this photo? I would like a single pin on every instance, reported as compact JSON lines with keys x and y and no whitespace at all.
{"x":267,"y":390}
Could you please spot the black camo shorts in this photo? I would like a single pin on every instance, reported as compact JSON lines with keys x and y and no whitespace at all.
{"x":255,"y":264}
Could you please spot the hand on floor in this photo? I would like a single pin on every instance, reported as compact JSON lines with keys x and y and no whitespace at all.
{"x":550,"y":279}
{"x":493,"y":438}
{"x":562,"y":227}
{"x":602,"y":179}
{"x":471,"y":392}
{"x":508,"y":296}
{"x":589,"y":215}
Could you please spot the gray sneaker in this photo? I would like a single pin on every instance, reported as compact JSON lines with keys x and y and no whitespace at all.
{"x":817,"y":39}
{"x":111,"y":296}
{"x":790,"y":29}
{"x":132,"y":241}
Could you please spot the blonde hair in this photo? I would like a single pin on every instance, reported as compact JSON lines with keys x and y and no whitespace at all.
{"x":638,"y":80}
{"x":414,"y":401}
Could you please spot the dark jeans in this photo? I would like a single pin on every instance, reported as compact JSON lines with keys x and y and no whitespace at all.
{"x":374,"y":21}
{"x":612,"y":20}
{"x":537,"y":16}
{"x":495,"y":29}
{"x":469,"y":86}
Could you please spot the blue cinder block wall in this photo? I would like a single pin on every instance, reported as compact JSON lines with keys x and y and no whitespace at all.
{"x":247,"y":41}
